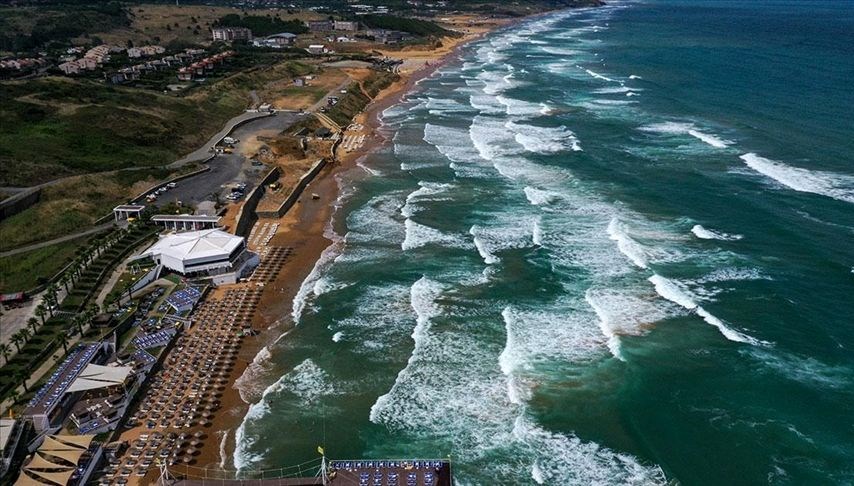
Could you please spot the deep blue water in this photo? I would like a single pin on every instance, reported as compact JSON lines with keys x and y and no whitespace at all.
{"x":607,"y":246}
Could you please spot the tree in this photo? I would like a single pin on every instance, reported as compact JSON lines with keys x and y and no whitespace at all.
{"x":17,"y":340}
{"x":5,"y":350}
{"x":41,"y":312}
{"x":22,"y":377}
{"x":63,"y":341}
{"x":14,"y":396}
{"x":65,"y":280}
{"x":33,"y":323}
{"x":78,"y":321}
{"x":26,"y":334}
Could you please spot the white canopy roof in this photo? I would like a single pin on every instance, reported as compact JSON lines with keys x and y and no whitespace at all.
{"x":97,"y":376}
{"x":196,"y":244}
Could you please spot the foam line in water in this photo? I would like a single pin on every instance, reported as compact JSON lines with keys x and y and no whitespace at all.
{"x":830,"y":184}
{"x":627,"y":246}
{"x":672,"y":292}
{"x":604,"y":326}
{"x":707,"y":234}
{"x":423,"y":295}
{"x":683,"y":128}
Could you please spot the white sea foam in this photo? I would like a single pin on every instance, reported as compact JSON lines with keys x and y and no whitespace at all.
{"x":634,"y":76}
{"x":337,"y":337}
{"x":830,"y":184}
{"x":559,"y":51}
{"x":707,"y":234}
{"x":427,"y":191}
{"x":683,"y":128}
{"x":539,"y":197}
{"x":320,"y":266}
{"x":623,"y":312}
{"x":418,"y":235}
{"x":592,"y":463}
{"x":598,"y":76}
{"x":633,"y":250}
{"x":544,"y":140}
{"x":517,"y":107}
{"x":616,"y":90}
{"x":671,"y":291}
{"x":537,"y":233}
{"x":423,"y":295}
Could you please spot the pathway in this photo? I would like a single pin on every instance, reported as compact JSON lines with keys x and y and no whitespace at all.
{"x":61,"y":239}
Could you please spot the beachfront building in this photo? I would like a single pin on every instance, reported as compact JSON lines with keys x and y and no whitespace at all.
{"x":52,"y":403}
{"x":228,"y":34}
{"x":207,"y":254}
{"x":105,"y":394}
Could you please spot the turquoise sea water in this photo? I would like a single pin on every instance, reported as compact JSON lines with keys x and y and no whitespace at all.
{"x":606,"y":246}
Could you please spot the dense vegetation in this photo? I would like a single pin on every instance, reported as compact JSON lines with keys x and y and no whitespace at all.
{"x":417,"y":27}
{"x":262,"y":26}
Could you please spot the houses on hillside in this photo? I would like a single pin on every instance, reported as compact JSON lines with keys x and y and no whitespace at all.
{"x":203,"y":67}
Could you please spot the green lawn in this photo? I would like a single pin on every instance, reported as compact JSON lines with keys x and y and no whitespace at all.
{"x":22,"y":271}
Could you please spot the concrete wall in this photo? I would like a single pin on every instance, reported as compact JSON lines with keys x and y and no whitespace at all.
{"x":246,"y":216}
{"x":296,"y":192}
{"x":16,"y":203}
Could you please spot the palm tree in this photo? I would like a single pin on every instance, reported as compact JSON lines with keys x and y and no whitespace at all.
{"x":22,"y":376}
{"x":5,"y":350}
{"x":41,"y":312}
{"x":63,"y":341}
{"x":33,"y":323}
{"x":78,"y":321}
{"x":26,"y":334}
{"x":14,"y":396}
{"x":65,"y":280}
{"x":17,"y":340}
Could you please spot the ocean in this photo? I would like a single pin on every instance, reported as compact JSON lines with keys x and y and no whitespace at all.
{"x":606,"y":246}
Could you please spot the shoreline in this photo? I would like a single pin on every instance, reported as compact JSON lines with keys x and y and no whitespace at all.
{"x":304,"y":229}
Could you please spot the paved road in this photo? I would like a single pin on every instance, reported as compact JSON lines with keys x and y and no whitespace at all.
{"x":36,"y":246}
{"x":204,"y":151}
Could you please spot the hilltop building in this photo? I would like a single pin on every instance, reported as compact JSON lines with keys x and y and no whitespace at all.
{"x":228,"y":34}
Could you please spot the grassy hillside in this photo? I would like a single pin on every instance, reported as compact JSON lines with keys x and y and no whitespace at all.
{"x":54,"y":127}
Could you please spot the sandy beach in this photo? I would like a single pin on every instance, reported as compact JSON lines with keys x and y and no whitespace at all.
{"x":302,"y":230}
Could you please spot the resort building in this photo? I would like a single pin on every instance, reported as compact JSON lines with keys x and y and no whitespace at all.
{"x":53,"y":402}
{"x":207,"y":254}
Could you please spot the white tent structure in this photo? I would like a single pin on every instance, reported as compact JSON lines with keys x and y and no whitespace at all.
{"x":55,"y":461}
{"x":206,"y":253}
{"x":97,"y":376}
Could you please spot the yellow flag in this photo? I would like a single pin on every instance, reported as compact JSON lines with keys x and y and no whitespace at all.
{"x":320,"y":450}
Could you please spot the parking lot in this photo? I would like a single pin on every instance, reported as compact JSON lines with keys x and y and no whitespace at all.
{"x":228,"y":169}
